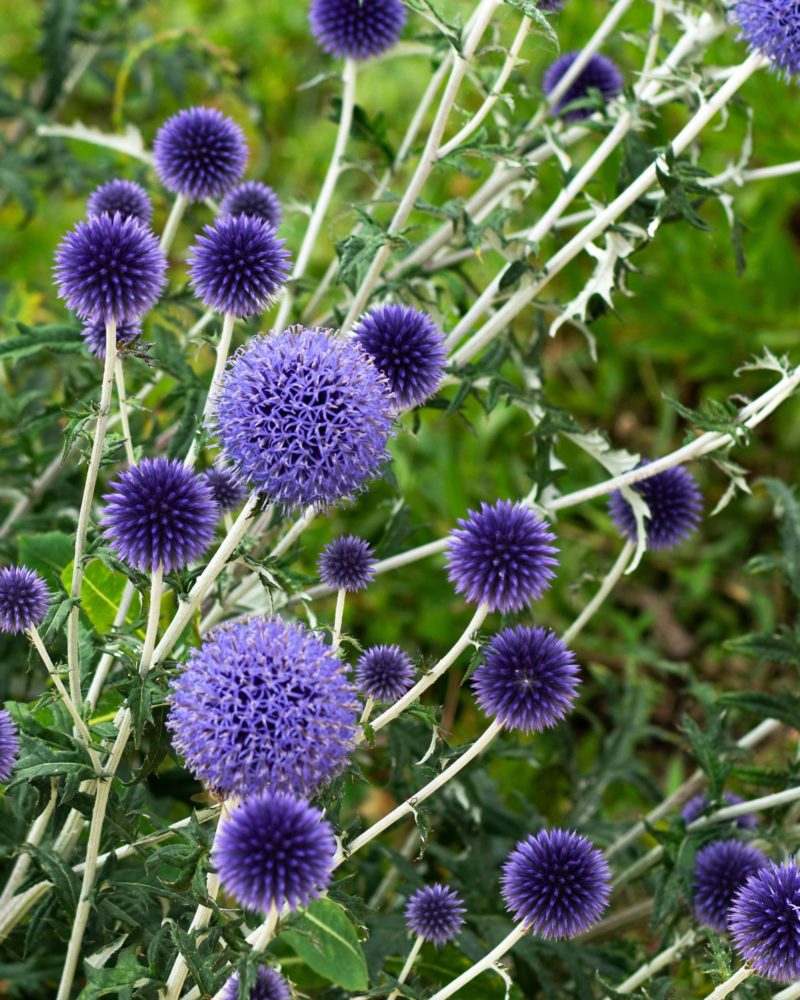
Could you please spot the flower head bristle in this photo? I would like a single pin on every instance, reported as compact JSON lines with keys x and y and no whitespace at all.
{"x":720,"y":870}
{"x":771,"y":27}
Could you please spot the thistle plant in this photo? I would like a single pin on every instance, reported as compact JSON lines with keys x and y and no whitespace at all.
{"x":369,"y":634}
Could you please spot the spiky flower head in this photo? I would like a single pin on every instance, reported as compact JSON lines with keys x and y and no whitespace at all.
{"x":94,"y":337}
{"x":253,"y":198}
{"x":263,"y":705}
{"x":159,"y":512}
{"x":674,"y":501}
{"x":347,"y":563}
{"x":764,"y":921}
{"x":199,"y":153}
{"x":528,"y":679}
{"x":238,"y":265}
{"x":9,"y":745}
{"x":125,"y":197}
{"x":771,"y":27}
{"x":435,"y":913}
{"x":599,"y":74}
{"x":556,"y":883}
{"x":384,"y":673}
{"x":110,"y":267}
{"x":408,"y":347}
{"x":356,"y":29}
{"x":550,"y":5}
{"x":226,"y":488}
{"x":269,"y":985}
{"x":304,"y":416}
{"x":720,"y":870}
{"x":24,"y":598}
{"x":274,"y":849}
{"x":502,"y":556}
{"x":698,"y":804}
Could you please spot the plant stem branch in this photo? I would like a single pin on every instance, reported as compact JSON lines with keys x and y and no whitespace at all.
{"x":122,"y":399}
{"x":611,"y":580}
{"x":153,"y":614}
{"x":725,"y":989}
{"x":338,"y":617}
{"x":416,"y":947}
{"x":487,"y":962}
{"x":173,"y":221}
{"x":656,"y":964}
{"x":222,"y":352}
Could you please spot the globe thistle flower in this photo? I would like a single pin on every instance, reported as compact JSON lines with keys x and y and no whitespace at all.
{"x":9,"y":745}
{"x":159,"y":513}
{"x":528,"y":680}
{"x":435,"y":913}
{"x":385,"y":673}
{"x":347,"y":563}
{"x":199,"y":153}
{"x":253,"y":198}
{"x":408,"y":347}
{"x":501,"y":556}
{"x":125,"y":197}
{"x":720,"y":870}
{"x":356,"y":29}
{"x":675,"y":503}
{"x":556,"y":883}
{"x":238,"y":265}
{"x":771,"y":27}
{"x":263,"y":705}
{"x":550,"y":5}
{"x":24,"y":598}
{"x":698,"y":804}
{"x":274,"y":849}
{"x":765,"y":923}
{"x":304,"y":416}
{"x":269,"y":986}
{"x":110,"y":267}
{"x":94,"y":337}
{"x":599,"y":74}
{"x":228,"y":492}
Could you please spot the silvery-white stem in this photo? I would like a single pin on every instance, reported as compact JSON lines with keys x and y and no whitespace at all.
{"x":610,"y":581}
{"x":153,"y":614}
{"x":487,"y":962}
{"x":222,"y":352}
{"x":34,"y":838}
{"x":173,"y":221}
{"x":122,"y":399}
{"x":416,"y":947}
{"x":725,"y":989}
{"x":338,"y":617}
{"x":656,"y":964}
{"x":107,"y":659}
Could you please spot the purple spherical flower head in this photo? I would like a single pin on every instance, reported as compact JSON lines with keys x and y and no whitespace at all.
{"x":347,"y":563}
{"x":720,"y":870}
{"x":274,"y":849}
{"x":269,"y":986}
{"x":199,"y":153}
{"x":385,"y":673}
{"x":9,"y":745}
{"x":771,"y":27}
{"x":110,"y":267}
{"x":528,"y":680}
{"x":94,"y":337}
{"x":556,"y":883}
{"x":502,"y":556}
{"x":304,"y":416}
{"x":550,"y":5}
{"x":125,"y":197}
{"x":263,"y":705}
{"x":408,"y":347}
{"x":228,"y":492}
{"x":435,"y":913}
{"x":599,"y":73}
{"x":357,"y":29}
{"x":238,"y":265}
{"x":253,"y":198}
{"x":675,"y":503}
{"x":698,"y":805}
{"x":764,"y":920}
{"x":159,"y":513}
{"x":24,"y":598}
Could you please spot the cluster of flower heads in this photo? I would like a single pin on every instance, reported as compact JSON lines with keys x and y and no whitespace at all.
{"x":357,"y":29}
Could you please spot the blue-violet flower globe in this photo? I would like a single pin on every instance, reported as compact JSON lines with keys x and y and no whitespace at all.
{"x":253,"y":198}
{"x":556,"y":883}
{"x":110,"y":267}
{"x":347,"y":563}
{"x":502,"y":556}
{"x":528,"y":679}
{"x":357,"y":29}
{"x":408,"y":347}
{"x":9,"y":745}
{"x":24,"y":598}
{"x":435,"y":913}
{"x":274,"y":849}
{"x":238,"y":265}
{"x":125,"y":197}
{"x":771,"y":27}
{"x":674,"y":501}
{"x":599,"y":74}
{"x":384,"y":673}
{"x":304,"y":416}
{"x":199,"y":153}
{"x":269,"y":985}
{"x":698,"y":805}
{"x":94,"y":337}
{"x":159,"y":513}
{"x":263,"y":705}
{"x":228,"y":492}
{"x":764,"y":921}
{"x":720,"y":870}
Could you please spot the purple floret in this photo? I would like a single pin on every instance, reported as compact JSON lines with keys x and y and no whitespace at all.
{"x":771,"y":27}
{"x":698,"y":804}
{"x":229,"y":493}
{"x":270,"y":985}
